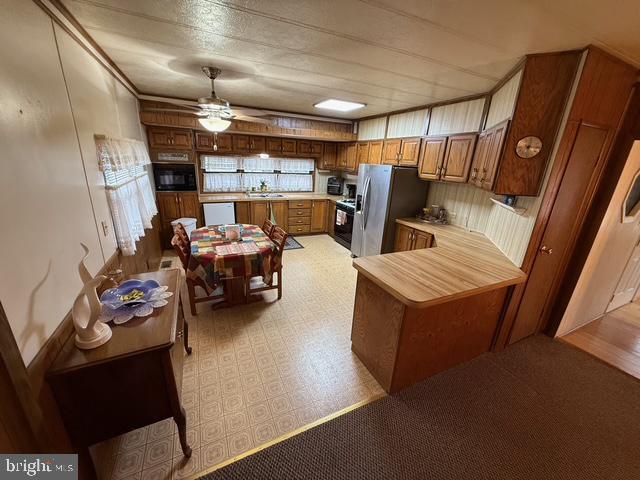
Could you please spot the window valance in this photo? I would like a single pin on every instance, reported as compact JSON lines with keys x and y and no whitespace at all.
{"x":120,"y":153}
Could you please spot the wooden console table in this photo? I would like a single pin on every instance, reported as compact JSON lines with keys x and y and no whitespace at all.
{"x":132,"y":381}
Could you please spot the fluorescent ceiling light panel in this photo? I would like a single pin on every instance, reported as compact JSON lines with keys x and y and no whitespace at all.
{"x":339,"y":105}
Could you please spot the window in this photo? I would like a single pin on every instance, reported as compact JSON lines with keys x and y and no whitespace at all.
{"x":239,"y":174}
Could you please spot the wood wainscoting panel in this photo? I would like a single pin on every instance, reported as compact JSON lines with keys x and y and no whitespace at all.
{"x":377,"y":318}
{"x":436,"y":338}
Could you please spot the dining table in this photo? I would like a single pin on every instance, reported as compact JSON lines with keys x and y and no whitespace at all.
{"x":217,"y":260}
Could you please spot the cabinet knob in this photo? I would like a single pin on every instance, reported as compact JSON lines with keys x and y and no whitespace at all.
{"x":546,"y":250}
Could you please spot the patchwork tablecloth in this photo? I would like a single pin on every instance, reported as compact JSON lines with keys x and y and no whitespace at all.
{"x":214,"y":258}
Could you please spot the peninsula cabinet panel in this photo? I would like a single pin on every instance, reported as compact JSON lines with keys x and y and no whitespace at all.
{"x":409,"y":151}
{"x":375,"y":152}
{"x":318,"y":216}
{"x":431,"y":157}
{"x":458,"y":157}
{"x":391,"y":151}
{"x":404,"y":238}
{"x":421,"y":240}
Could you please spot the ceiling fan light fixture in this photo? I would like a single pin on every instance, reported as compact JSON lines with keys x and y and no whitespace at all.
{"x":339,"y":105}
{"x":214,"y":124}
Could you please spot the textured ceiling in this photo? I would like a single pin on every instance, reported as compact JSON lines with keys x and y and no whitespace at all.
{"x":290,"y":54}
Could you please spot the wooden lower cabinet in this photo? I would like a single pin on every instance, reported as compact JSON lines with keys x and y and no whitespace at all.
{"x":331,"y":217}
{"x":318,"y":216}
{"x":259,"y":212}
{"x":408,"y":238}
{"x":174,"y":205}
{"x":243,"y":212}
{"x":280,"y":211}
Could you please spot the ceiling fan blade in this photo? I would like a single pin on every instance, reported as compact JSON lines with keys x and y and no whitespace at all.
{"x":252,"y":112}
{"x":178,"y":110}
{"x":247,"y":118}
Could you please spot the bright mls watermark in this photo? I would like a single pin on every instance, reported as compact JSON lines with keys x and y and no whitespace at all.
{"x":57,"y":466}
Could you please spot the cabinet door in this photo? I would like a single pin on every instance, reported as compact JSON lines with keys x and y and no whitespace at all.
{"x":362,"y":152}
{"x":159,"y":137}
{"x":289,"y":147}
{"x":169,"y":209}
{"x":281,"y":213}
{"x":190,"y":206}
{"x":458,"y":156}
{"x":431,"y":157}
{"x":480,"y":157}
{"x":342,"y":156}
{"x":214,"y":142}
{"x":494,"y":154}
{"x":391,"y":152}
{"x":404,"y":238}
{"x":317,"y":148}
{"x":331,"y":219}
{"x":329,"y":157}
{"x":409,"y":151}
{"x":375,"y":152}
{"x":274,"y":146}
{"x":319,"y":216}
{"x":421,"y":240}
{"x":304,"y":147}
{"x":243,"y":213}
{"x":241,"y":143}
{"x":204,"y":141}
{"x":351,"y":158}
{"x":257,"y":145}
{"x":182,"y":139}
{"x":259,"y":212}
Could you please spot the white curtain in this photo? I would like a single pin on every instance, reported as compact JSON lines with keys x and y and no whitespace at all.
{"x":302,"y":165}
{"x":120,"y":153}
{"x":211,"y":163}
{"x":127,"y":217}
{"x":222,"y":182}
{"x":291,"y":182}
{"x":257,"y":164}
{"x":252,"y":180}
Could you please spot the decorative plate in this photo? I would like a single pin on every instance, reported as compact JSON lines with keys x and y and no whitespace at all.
{"x":154,"y":298}
{"x":131,"y":293}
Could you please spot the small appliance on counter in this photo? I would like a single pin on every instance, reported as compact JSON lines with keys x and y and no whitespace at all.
{"x":434,"y":214}
{"x":351,"y":190}
{"x":334,"y":186}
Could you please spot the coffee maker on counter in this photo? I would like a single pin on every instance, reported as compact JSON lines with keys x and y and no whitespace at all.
{"x":351,"y":190}
{"x":334,"y":186}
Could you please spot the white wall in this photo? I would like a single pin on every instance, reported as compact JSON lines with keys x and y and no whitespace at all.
{"x":49,"y":194}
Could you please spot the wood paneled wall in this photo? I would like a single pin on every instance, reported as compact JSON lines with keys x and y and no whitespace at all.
{"x":503,"y":101}
{"x":372,"y":129}
{"x":408,"y":124}
{"x":458,"y":117}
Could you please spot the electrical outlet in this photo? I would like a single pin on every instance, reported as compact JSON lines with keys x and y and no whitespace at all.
{"x":105,"y":228}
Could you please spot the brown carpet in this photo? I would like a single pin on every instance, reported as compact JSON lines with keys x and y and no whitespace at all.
{"x":539,"y":410}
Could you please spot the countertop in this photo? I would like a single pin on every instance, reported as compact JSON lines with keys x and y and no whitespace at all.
{"x":459,"y":264}
{"x":243,"y":197}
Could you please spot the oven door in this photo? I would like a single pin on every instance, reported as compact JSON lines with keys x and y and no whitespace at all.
{"x":343,"y":232}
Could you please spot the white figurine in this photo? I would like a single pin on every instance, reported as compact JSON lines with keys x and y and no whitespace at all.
{"x":90,"y":333}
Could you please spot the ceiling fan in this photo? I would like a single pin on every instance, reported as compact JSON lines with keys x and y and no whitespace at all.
{"x":216,"y":112}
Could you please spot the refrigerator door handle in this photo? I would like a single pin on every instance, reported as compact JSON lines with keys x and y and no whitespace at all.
{"x":365,"y":203}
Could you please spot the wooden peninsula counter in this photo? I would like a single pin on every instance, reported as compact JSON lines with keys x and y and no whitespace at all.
{"x":420,"y":312}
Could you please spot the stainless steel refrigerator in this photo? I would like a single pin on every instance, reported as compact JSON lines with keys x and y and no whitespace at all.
{"x":384,"y":193}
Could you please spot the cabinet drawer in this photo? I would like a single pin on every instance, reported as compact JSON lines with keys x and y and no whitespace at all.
{"x":296,"y":221}
{"x":299,"y":203}
{"x":299,"y":228}
{"x":300,"y":212}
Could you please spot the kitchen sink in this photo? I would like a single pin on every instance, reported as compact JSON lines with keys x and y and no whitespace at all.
{"x":265,"y":195}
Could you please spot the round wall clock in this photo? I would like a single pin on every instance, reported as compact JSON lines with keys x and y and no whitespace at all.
{"x":528,"y":147}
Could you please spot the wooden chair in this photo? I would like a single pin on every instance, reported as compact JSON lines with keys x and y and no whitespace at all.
{"x":267,"y":227}
{"x":279,"y":237}
{"x":182,"y":246}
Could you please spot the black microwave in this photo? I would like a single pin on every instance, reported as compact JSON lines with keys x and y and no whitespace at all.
{"x":174,"y":178}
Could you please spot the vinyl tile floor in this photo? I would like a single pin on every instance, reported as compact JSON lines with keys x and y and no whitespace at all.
{"x":257,"y":372}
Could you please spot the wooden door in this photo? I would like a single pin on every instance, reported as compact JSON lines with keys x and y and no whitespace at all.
{"x":182,"y":139}
{"x":391,"y":151}
{"x":243,"y":212}
{"x":457,"y":157}
{"x":190,"y":206}
{"x":241,"y":143}
{"x":431,"y":157}
{"x":421,"y":240}
{"x":375,"y":152}
{"x":319,"y":216}
{"x":331,"y":218}
{"x":586,"y":145}
{"x":280,"y":211}
{"x":169,"y":209}
{"x":480,"y":157}
{"x":329,"y":157}
{"x":289,"y":147}
{"x":159,"y":137}
{"x":274,"y":146}
{"x":629,"y":281}
{"x":257,"y":145}
{"x":403,"y":239}
{"x":489,"y":168}
{"x":259,"y":212}
{"x":409,"y":151}
{"x":362,"y":152}
{"x":351,"y":158}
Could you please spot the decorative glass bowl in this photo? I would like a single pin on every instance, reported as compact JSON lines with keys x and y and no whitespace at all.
{"x":133,"y":298}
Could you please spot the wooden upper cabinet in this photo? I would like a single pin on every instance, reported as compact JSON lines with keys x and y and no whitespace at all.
{"x":342,"y":156}
{"x":480,"y":157}
{"x":362,"y":152}
{"x":170,"y":138}
{"x":220,"y":143}
{"x":409,"y":150}
{"x":329,"y":159}
{"x":375,"y":152}
{"x":289,"y":147}
{"x":258,"y":145}
{"x":310,"y":148}
{"x":458,"y":157}
{"x":319,"y":216}
{"x":487,"y":156}
{"x":431,"y":157}
{"x":391,"y":151}
{"x":249,"y":144}
{"x":351,"y":157}
{"x":274,"y":146}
